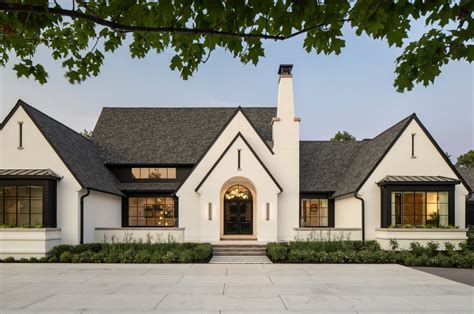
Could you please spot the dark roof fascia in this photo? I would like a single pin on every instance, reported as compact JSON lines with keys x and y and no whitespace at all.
{"x":10,"y":114}
{"x":148,"y":165}
{"x":239,"y":109}
{"x":443,"y":154}
{"x":25,"y":107}
{"x":239,"y":135}
{"x":256,"y":131}
{"x":102,"y":191}
{"x":30,"y":177}
{"x":411,"y":118}
{"x":420,"y":183}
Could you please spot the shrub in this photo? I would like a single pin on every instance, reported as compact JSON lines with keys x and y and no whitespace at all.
{"x":394,"y":244}
{"x":65,"y":257}
{"x":417,"y":249}
{"x":277,"y":251}
{"x":432,"y":247}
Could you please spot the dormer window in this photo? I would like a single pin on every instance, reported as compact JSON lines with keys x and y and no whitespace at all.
{"x":154,"y":173}
{"x":20,"y":135}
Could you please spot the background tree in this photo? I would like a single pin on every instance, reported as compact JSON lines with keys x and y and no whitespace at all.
{"x":466,"y":160}
{"x":343,"y":136}
{"x":77,"y":33}
{"x":86,"y":134}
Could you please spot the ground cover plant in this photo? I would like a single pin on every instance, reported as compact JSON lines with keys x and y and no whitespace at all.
{"x":136,"y":252}
{"x":346,"y":251}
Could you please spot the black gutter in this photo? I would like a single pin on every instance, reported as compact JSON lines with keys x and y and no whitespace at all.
{"x":82,"y":215}
{"x":363,"y":214}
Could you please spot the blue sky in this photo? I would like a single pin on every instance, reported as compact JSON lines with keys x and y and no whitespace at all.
{"x":352,"y":91}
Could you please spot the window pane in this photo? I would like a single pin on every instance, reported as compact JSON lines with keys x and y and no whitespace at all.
{"x":10,"y":219}
{"x":420,"y":197}
{"x":154,"y":173}
{"x":144,"y":173}
{"x":36,"y":191}
{"x":1,"y":191}
{"x":132,"y":221}
{"x":171,"y":173}
{"x":324,"y":203}
{"x":432,"y":197}
{"x":408,"y":197}
{"x":23,"y":220}
{"x":23,"y":192}
{"x":443,"y":221}
{"x":10,"y":191}
{"x":132,"y":201}
{"x":150,"y":200}
{"x":163,"y":173}
{"x":136,"y":173}
{"x":141,"y":201}
{"x":443,"y":209}
{"x":10,"y":206}
{"x":23,"y":206}
{"x":443,"y":197}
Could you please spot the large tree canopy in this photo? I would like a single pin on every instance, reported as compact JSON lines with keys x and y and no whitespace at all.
{"x":79,"y":32}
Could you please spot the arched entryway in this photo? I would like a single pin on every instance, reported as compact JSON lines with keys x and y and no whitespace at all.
{"x":238,"y":211}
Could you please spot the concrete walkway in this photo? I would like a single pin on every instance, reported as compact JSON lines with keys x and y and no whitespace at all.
{"x":220,"y":288}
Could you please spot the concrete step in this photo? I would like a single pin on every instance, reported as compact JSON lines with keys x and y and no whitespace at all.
{"x":240,"y":260}
{"x":239,"y":253}
{"x":250,"y":249}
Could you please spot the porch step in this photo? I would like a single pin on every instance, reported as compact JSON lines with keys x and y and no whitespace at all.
{"x":236,"y":259}
{"x":239,"y":250}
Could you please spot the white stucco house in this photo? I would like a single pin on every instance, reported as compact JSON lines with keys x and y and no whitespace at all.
{"x":218,"y":174}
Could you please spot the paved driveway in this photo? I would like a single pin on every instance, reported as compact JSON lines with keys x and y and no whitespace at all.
{"x":76,"y":288}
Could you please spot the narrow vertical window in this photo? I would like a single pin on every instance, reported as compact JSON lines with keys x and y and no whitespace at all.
{"x":209,"y":211}
{"x":20,"y":138}
{"x":238,"y":159}
{"x":268,"y":211}
{"x":413,"y":145}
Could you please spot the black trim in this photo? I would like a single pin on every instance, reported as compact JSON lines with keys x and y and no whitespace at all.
{"x":24,"y":106}
{"x":362,"y":204}
{"x":386,"y":207}
{"x":239,"y":135}
{"x":239,"y":109}
{"x":145,"y":194}
{"x":238,"y":159}
{"x":413,"y":145}
{"x":20,"y":139}
{"x":81,"y":229}
{"x":411,"y":118}
{"x":318,"y":195}
{"x":49,"y":197}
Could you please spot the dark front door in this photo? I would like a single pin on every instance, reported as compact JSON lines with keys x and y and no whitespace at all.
{"x":238,"y":217}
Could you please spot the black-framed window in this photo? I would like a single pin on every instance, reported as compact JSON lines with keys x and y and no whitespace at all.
{"x":417,"y":205}
{"x":151,"y":211}
{"x":316,"y":210}
{"x":153,"y":173}
{"x":420,"y":208}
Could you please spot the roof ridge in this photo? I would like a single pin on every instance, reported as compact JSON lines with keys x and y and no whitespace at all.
{"x":192,"y":107}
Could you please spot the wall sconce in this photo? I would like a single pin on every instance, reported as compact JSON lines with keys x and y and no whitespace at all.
{"x":209,"y":211}
{"x":267,"y":211}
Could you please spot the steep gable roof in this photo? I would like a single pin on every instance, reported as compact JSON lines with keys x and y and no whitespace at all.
{"x":369,"y":155}
{"x":168,"y":135}
{"x":78,"y":153}
{"x":467,"y":174}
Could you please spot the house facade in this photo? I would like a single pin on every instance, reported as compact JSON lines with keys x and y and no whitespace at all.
{"x":219,"y":174}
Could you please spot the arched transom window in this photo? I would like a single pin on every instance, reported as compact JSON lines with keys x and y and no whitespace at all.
{"x":238,"y":192}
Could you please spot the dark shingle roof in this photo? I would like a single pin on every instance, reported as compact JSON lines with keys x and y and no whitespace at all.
{"x":368,"y":157}
{"x":324,"y":163}
{"x":468,"y":175}
{"x":78,"y":153}
{"x":417,"y":180}
{"x":167,"y":135}
{"x":28,"y":173}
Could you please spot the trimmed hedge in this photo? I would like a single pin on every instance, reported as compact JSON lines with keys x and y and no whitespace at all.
{"x":139,"y":253}
{"x":369,"y":252}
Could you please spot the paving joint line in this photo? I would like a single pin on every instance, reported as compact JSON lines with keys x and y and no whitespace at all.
{"x":160,"y":302}
{"x":284,"y":304}
{"x":23,"y":307}
{"x":180,"y":278}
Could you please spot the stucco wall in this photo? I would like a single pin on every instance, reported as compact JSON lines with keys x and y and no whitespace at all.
{"x":348,"y":212}
{"x":101,"y":210}
{"x":38,"y":154}
{"x":398,"y":161}
{"x":193,"y":206}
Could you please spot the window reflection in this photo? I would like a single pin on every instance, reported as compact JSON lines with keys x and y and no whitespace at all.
{"x":151,"y":211}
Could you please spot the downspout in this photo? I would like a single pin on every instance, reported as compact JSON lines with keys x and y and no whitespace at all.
{"x":363,"y":214}
{"x":82,"y":216}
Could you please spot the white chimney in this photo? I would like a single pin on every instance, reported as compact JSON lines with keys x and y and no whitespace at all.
{"x":286,"y":108}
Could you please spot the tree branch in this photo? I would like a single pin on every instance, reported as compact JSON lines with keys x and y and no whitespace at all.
{"x":16,"y":7}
